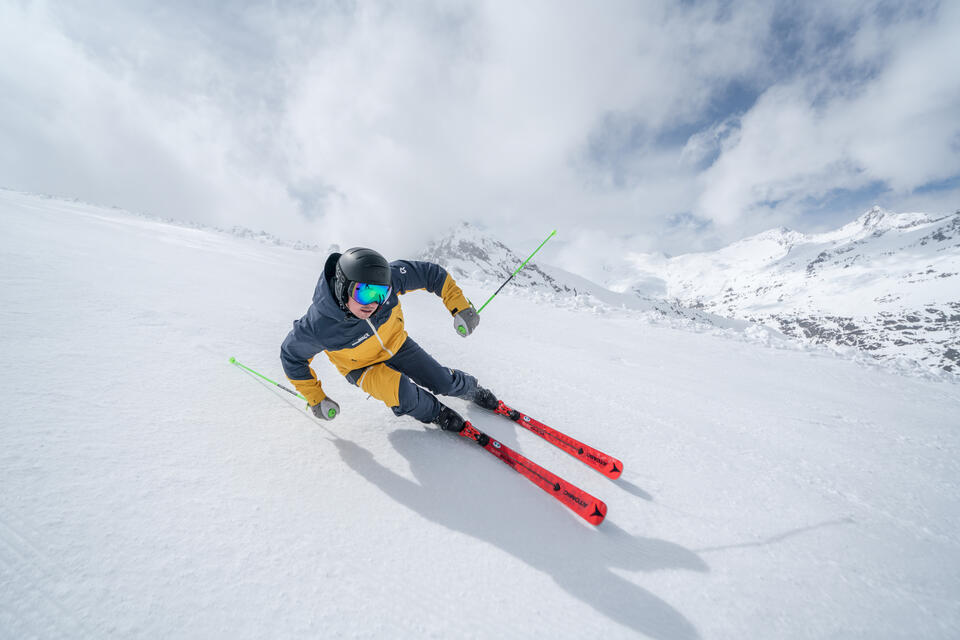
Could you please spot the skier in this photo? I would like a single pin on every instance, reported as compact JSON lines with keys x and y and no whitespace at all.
{"x":356,"y":320}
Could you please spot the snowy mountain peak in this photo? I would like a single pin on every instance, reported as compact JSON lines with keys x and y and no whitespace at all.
{"x":873,"y":217}
{"x":760,"y":249}
{"x":466,"y":251}
{"x":780,"y":234}
{"x":877,"y":221}
{"x":881,"y":219}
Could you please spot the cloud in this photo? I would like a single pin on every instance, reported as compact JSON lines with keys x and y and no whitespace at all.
{"x":93,"y":121}
{"x":808,"y":138}
{"x":653,"y":125}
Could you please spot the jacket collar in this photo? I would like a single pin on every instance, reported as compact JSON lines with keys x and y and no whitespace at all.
{"x":323,"y":298}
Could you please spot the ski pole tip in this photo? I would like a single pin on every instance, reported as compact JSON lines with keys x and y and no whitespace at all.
{"x":233,"y":360}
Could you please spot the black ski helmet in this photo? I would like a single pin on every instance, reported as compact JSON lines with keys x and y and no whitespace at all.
{"x":359,"y":265}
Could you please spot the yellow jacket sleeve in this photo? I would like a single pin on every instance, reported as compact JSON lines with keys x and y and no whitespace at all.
{"x":453,"y":298}
{"x":311,"y":390}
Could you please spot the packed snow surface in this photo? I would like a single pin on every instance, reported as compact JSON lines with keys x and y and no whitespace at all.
{"x":150,"y":489}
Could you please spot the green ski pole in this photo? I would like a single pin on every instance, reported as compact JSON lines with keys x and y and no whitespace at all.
{"x":552,"y":233}
{"x":260,"y":375}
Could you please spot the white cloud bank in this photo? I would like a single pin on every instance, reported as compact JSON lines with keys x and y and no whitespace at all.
{"x":820,"y":133}
{"x":652,"y":125}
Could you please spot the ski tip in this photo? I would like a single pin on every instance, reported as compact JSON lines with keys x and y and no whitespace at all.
{"x":615,"y":469}
{"x":597,"y":514}
{"x":233,"y":360}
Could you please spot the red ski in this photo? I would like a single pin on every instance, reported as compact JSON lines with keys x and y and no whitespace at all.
{"x":577,"y":500}
{"x":605,"y":464}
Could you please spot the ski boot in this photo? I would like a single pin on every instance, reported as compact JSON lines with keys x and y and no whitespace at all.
{"x":449,"y":420}
{"x":485,"y":399}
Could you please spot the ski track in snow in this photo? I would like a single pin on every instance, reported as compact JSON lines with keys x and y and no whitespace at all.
{"x":150,"y":489}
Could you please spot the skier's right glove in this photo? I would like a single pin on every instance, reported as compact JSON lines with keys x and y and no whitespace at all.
{"x":466,"y":321}
{"x":327,"y":409}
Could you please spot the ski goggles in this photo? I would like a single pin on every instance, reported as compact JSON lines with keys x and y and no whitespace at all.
{"x":365,"y":293}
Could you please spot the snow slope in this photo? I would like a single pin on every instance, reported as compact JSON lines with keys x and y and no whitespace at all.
{"x":150,"y":489}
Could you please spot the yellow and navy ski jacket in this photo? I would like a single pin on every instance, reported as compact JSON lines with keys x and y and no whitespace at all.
{"x":349,"y":342}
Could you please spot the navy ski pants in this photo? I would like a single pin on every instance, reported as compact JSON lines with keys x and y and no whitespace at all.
{"x":421,"y":374}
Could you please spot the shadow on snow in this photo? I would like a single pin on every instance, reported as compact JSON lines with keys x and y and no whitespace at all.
{"x":579,"y":558}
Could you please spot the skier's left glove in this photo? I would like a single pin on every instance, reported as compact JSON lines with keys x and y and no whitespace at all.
{"x":466,"y":321}
{"x":327,"y":409}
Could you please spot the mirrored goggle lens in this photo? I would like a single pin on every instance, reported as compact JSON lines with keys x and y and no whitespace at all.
{"x":369,"y":293}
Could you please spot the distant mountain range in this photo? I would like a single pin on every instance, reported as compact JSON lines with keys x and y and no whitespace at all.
{"x":470,"y":253}
{"x":887,"y":283}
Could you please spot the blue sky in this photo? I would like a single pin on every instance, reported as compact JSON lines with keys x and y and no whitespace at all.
{"x":628,"y":126}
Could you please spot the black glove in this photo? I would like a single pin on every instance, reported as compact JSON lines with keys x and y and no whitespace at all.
{"x":466,"y":321}
{"x":327,"y":409}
